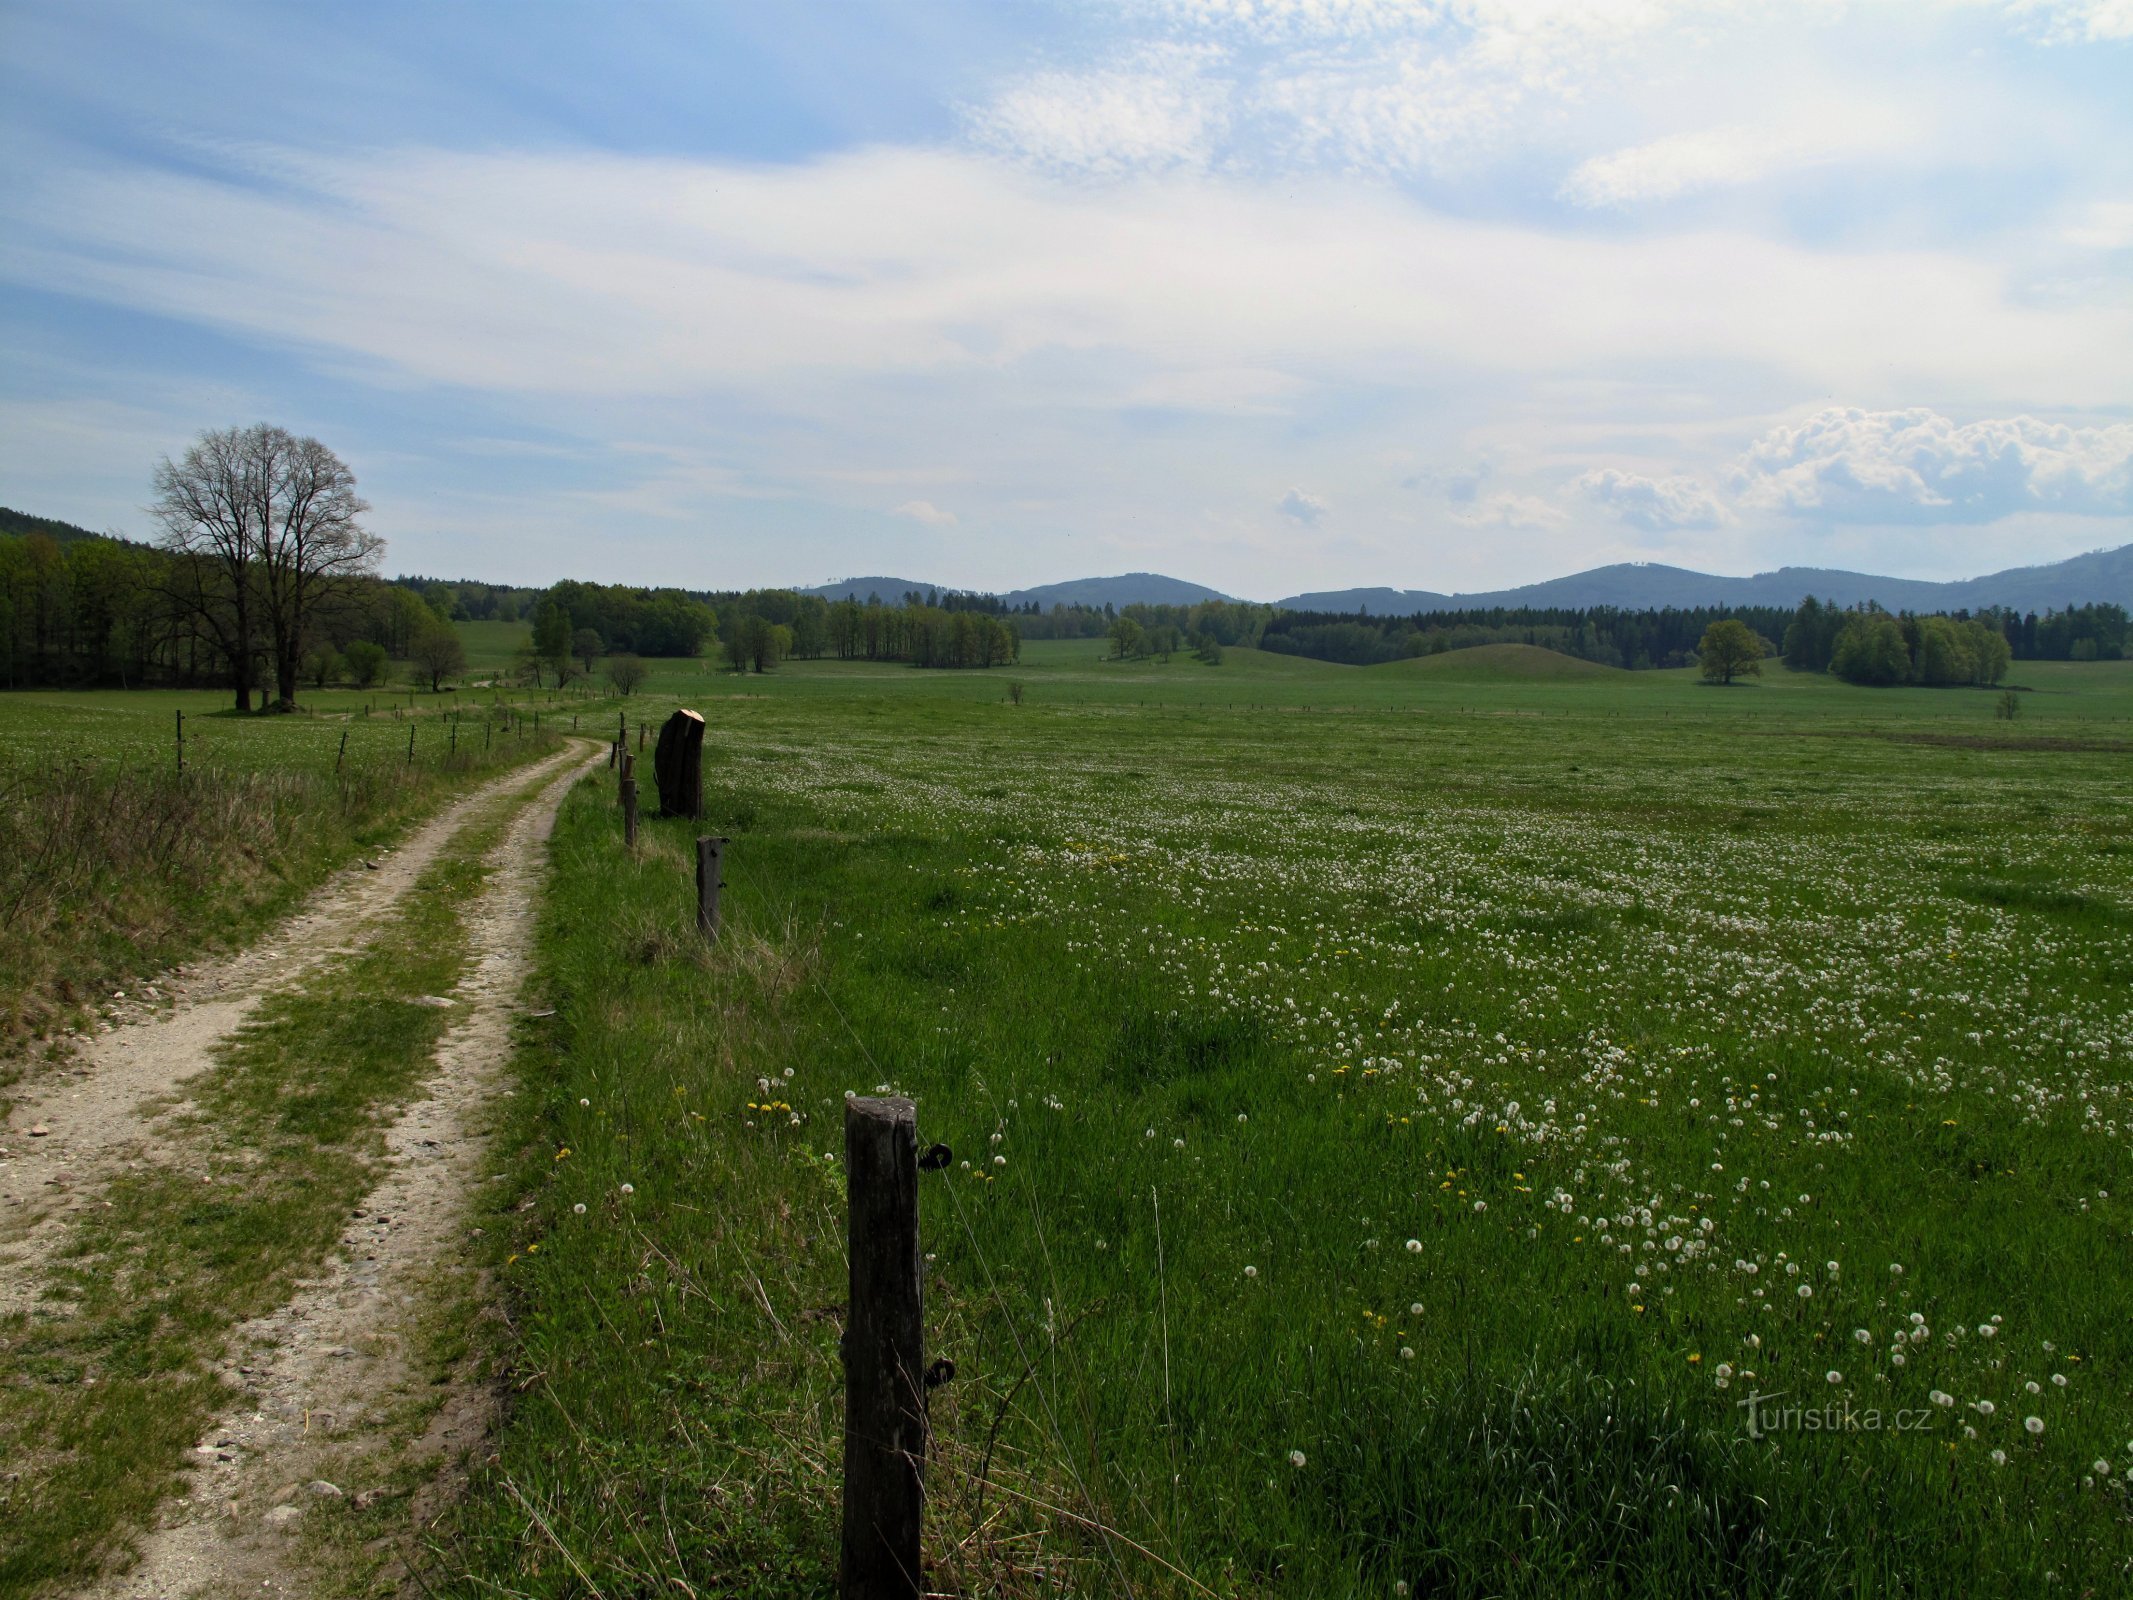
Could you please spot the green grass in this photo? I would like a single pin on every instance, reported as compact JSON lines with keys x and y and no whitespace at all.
{"x":493,"y":646}
{"x":114,"y":865}
{"x":1635,"y":1005}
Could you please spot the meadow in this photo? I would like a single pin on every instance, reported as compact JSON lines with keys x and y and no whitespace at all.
{"x":1484,"y":1125}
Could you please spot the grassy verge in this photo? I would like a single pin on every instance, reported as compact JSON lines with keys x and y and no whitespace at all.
{"x":1398,"y":1144}
{"x":113,"y":865}
{"x":109,"y":1380}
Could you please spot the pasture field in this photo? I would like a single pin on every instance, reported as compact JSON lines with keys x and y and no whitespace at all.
{"x":1506,"y":1129}
{"x":112,"y":866}
{"x":492,"y":646}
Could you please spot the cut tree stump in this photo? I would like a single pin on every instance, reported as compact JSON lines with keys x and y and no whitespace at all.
{"x":678,"y":765}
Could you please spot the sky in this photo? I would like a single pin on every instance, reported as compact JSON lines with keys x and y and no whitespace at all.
{"x":1274,"y":295}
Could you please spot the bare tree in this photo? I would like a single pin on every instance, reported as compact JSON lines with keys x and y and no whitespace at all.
{"x":204,"y":506}
{"x":311,"y":546}
{"x":266,"y":525}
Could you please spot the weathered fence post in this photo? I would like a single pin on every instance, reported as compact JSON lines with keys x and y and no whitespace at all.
{"x":341,"y":754}
{"x":884,"y":1356}
{"x":455,"y":737}
{"x":181,"y":744}
{"x":410,"y":744}
{"x":629,"y":803}
{"x":710,"y":864}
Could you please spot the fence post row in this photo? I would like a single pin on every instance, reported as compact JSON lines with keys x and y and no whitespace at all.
{"x":710,"y":869}
{"x":885,"y":1376}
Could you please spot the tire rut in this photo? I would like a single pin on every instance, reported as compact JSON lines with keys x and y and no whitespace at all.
{"x":326,"y":1382}
{"x":103,"y":1107}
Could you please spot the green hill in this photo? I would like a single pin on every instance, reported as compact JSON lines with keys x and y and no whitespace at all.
{"x":1502,"y":663}
{"x":21,"y":522}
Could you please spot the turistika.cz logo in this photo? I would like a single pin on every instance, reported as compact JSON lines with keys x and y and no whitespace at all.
{"x":1766,"y":1417}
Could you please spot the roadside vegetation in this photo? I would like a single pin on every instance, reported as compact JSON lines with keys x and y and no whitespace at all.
{"x":114,"y":865}
{"x":1401,"y":1118}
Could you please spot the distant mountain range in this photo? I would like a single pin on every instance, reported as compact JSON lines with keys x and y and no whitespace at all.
{"x":1130,"y":588}
{"x":2100,"y":576}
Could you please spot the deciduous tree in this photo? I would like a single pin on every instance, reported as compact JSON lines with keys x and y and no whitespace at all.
{"x":1730,"y":650}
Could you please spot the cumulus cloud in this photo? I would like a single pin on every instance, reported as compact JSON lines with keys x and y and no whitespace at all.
{"x":1852,"y":465}
{"x":1298,"y":506}
{"x":925,"y":511}
{"x":1654,"y":504}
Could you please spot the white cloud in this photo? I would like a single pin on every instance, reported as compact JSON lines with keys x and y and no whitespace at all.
{"x":925,"y":511}
{"x":1853,"y":465}
{"x":1713,"y":158}
{"x":1654,"y":504}
{"x":643,"y":277}
{"x":1519,"y":511}
{"x":1298,"y":506}
{"x":2104,"y":225}
{"x":2079,"y":21}
{"x":1158,"y":110}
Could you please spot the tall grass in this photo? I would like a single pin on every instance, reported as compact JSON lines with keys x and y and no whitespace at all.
{"x":113,"y":864}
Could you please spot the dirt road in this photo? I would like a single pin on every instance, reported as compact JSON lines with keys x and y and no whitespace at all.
{"x":326,"y":1379}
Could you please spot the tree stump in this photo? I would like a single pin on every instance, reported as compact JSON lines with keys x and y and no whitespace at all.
{"x":678,"y":765}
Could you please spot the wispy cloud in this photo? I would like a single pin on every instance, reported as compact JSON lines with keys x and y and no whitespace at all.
{"x":1716,"y":158}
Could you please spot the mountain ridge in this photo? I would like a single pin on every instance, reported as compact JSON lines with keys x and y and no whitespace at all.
{"x":2097,"y":576}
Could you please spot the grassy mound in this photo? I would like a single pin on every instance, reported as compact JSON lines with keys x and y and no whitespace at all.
{"x":1503,"y":663}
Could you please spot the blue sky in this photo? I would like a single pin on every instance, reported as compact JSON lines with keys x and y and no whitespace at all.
{"x":1272,"y":294}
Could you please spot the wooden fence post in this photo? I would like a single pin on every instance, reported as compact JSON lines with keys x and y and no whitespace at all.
{"x":341,"y":754}
{"x":629,"y":803}
{"x":410,"y":744}
{"x":710,"y":864}
{"x":884,"y":1357}
{"x":181,"y":744}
